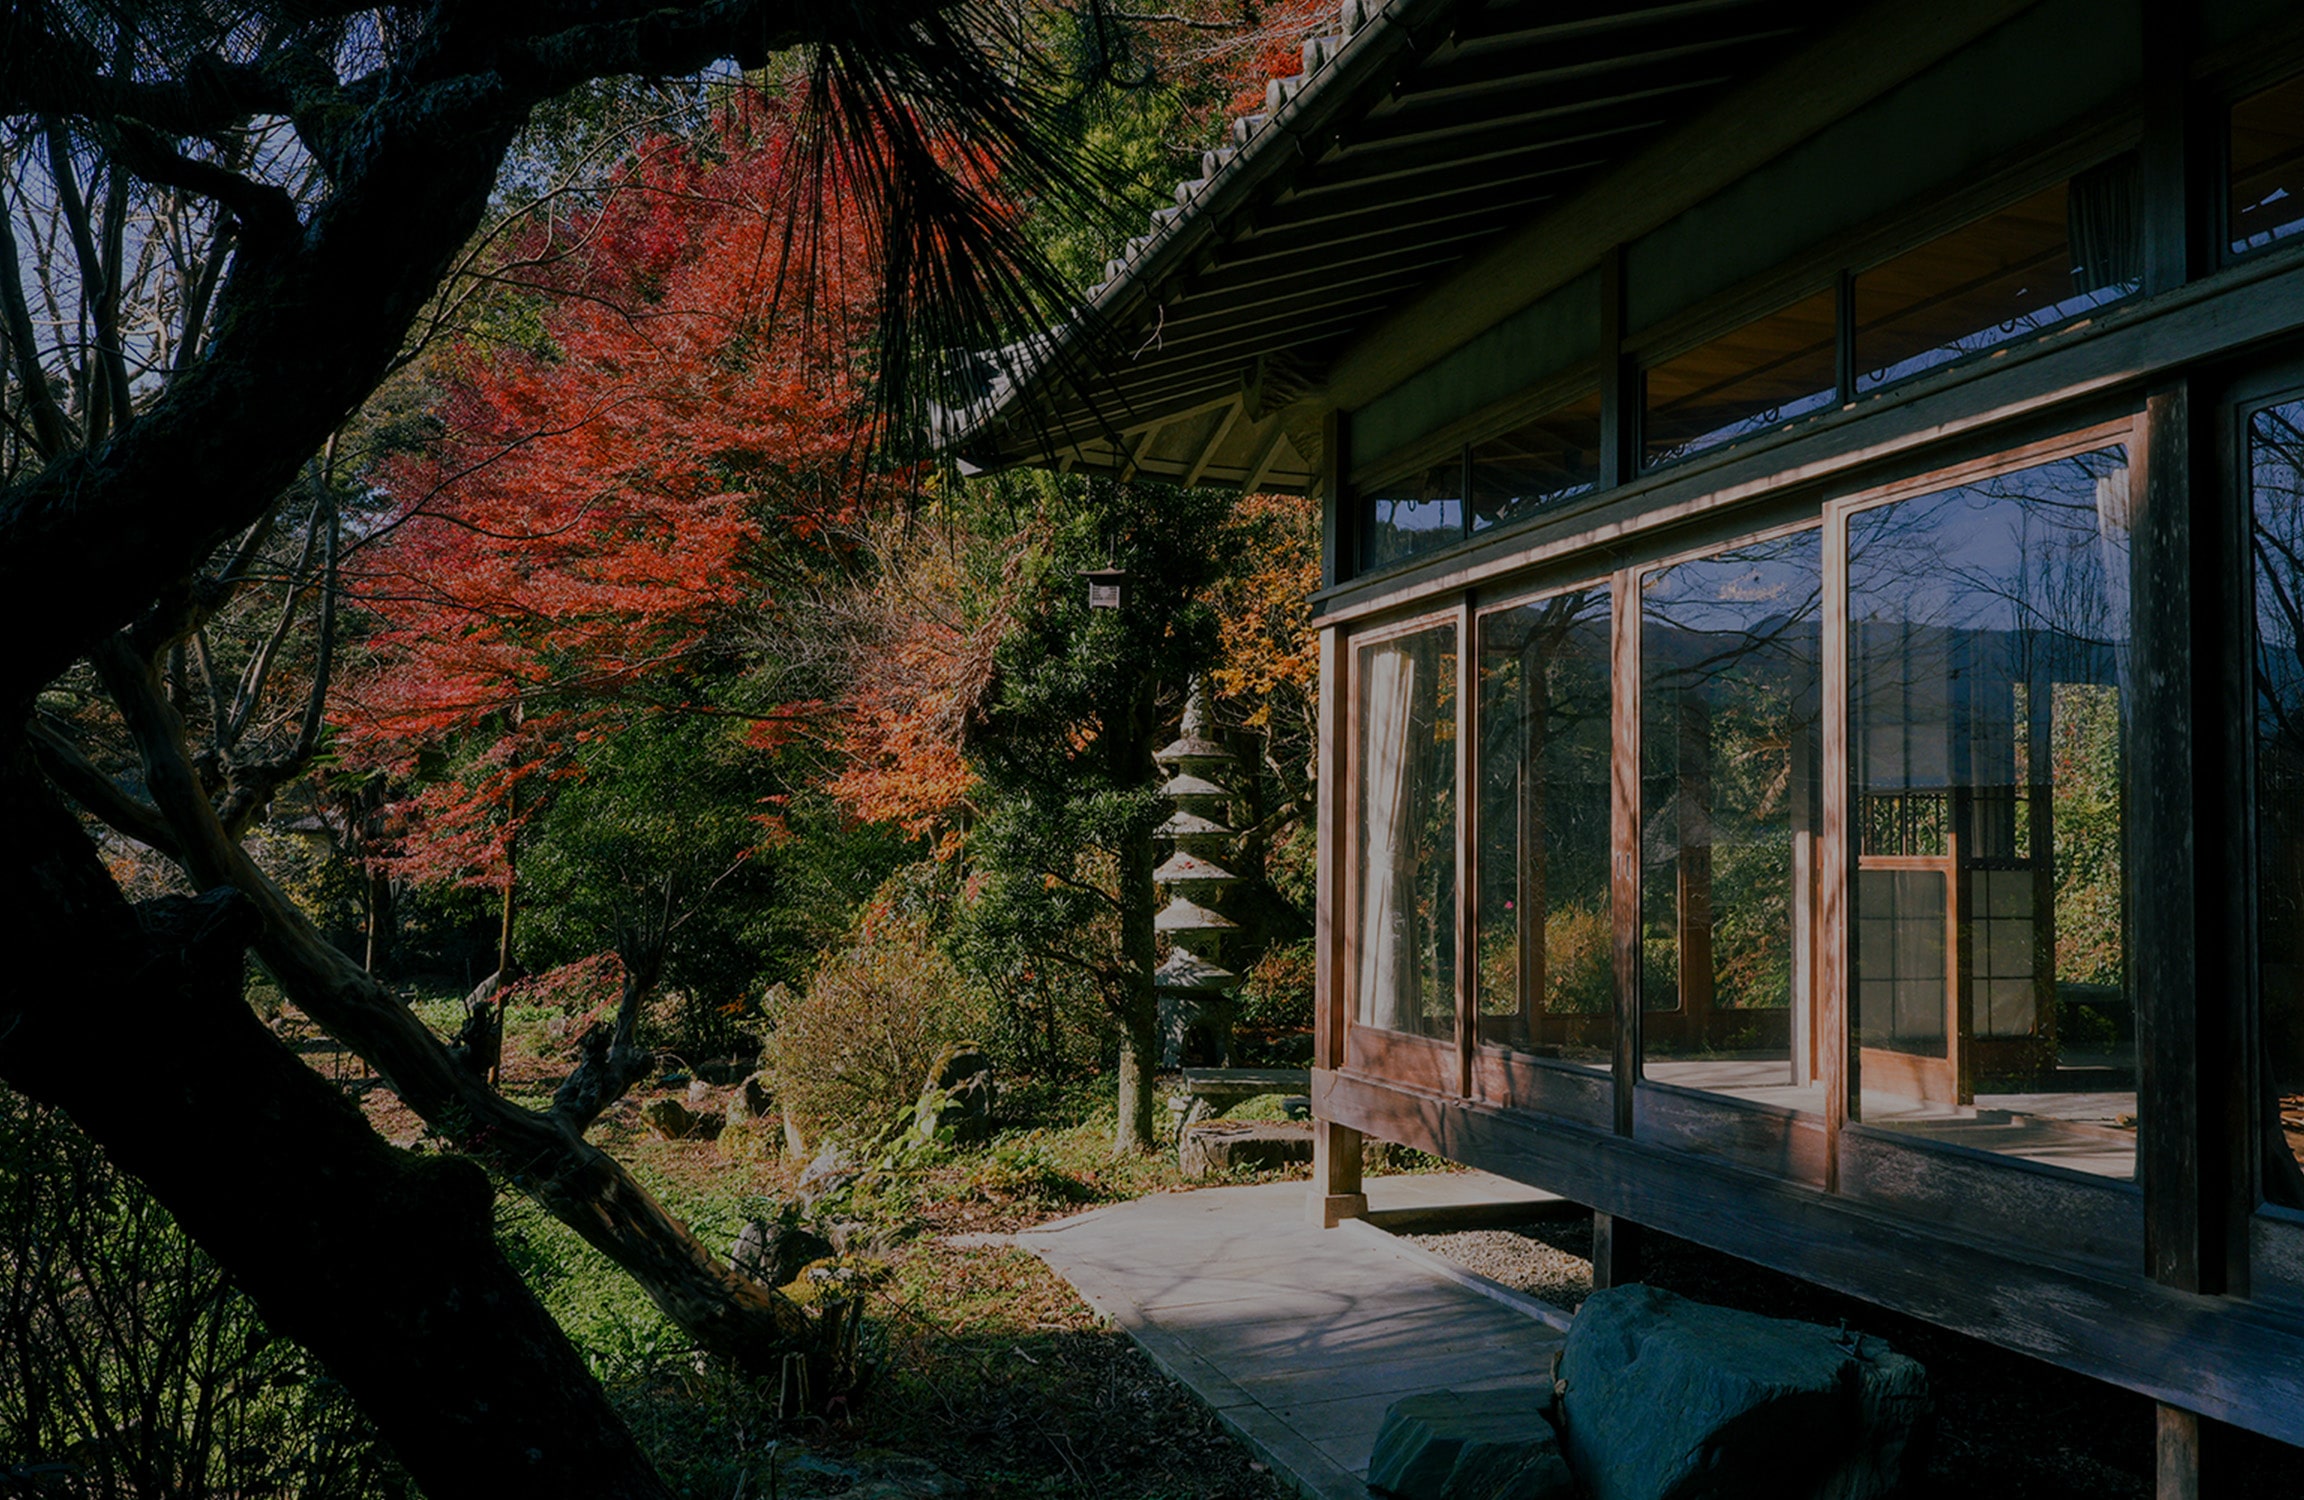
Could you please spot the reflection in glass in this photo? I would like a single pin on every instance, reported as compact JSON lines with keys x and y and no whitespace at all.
{"x":1728,"y":800}
{"x":1414,"y":514}
{"x":1762,"y":375}
{"x":2276,"y":469}
{"x":2054,"y":256}
{"x":1553,"y":458}
{"x":1987,"y":647}
{"x":1404,"y":713}
{"x":2267,"y":166}
{"x":1547,"y":980}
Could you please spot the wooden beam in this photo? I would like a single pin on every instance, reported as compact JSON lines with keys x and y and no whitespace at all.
{"x":1264,"y":457}
{"x":1142,"y":446}
{"x":1880,"y":48}
{"x":1215,"y":441}
{"x":2224,"y":1357}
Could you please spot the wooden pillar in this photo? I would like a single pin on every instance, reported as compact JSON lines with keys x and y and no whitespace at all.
{"x":1336,"y":1189}
{"x":1616,"y":1247}
{"x":1335,"y":1194}
{"x":2185,"y":856}
{"x":2186,"y":1467}
{"x":1619,"y":381}
{"x":1624,"y":840}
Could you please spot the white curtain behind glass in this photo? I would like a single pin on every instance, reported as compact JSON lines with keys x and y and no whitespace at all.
{"x":1386,"y":988}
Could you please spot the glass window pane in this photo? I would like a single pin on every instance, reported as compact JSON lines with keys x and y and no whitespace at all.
{"x":2276,"y":467}
{"x":2028,"y":267}
{"x":1547,"y":942}
{"x":1987,"y":647}
{"x":1729,"y":800}
{"x":1404,"y":712}
{"x":2268,"y":166}
{"x":1764,"y":374}
{"x":1414,"y":514}
{"x":1539,"y":463}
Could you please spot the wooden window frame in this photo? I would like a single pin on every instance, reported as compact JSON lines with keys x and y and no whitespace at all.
{"x":2266,"y":1258}
{"x":1397,"y":1057}
{"x":1770,"y":1138}
{"x":2093,"y":1218}
{"x":1501,"y":1076}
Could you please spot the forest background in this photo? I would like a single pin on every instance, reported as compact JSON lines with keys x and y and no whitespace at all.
{"x":626,"y":695}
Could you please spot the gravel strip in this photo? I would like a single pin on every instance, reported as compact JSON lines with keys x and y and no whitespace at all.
{"x":1551,"y":1262}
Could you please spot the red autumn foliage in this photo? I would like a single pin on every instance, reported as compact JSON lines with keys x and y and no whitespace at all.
{"x":596,"y":516}
{"x":1276,"y":48}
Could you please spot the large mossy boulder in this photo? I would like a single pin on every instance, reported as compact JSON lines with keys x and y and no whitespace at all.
{"x":1668,"y":1399}
{"x":1471,"y":1445}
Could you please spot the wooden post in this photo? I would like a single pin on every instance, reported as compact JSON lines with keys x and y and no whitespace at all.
{"x":2179,"y":1466}
{"x":1619,"y":381}
{"x":1336,"y":1194}
{"x":1616,"y":1246}
{"x":2182,"y":849}
{"x":1624,"y":839}
{"x":1467,"y":934}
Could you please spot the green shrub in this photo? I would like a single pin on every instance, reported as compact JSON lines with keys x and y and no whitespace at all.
{"x":1276,"y":994}
{"x":851,"y":1053}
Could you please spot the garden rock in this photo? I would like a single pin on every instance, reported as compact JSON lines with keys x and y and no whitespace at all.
{"x":670,"y":1120}
{"x":775,"y":1254}
{"x":1471,"y":1445}
{"x":957,"y":1095}
{"x":1668,"y":1399}
{"x":753,"y":1127}
{"x":833,"y":1169}
{"x":858,"y":1237}
{"x":1214,"y":1147}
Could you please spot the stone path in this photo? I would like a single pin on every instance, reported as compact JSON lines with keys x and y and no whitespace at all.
{"x":1300,"y":1337}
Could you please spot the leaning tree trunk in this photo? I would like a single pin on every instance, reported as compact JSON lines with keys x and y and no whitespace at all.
{"x":541,"y":1152}
{"x":383,"y":1264}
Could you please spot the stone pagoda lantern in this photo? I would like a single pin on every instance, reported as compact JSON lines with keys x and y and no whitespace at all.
{"x":1193,"y":986}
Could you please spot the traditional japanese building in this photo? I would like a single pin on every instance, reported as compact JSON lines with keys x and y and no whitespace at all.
{"x":1812,"y":635}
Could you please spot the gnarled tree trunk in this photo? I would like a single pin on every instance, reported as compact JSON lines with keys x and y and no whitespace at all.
{"x":384,"y":1264}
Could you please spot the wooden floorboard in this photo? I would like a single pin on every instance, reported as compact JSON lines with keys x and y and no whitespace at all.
{"x":1298,"y":1337}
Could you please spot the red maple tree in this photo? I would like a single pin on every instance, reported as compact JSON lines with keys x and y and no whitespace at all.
{"x":590,"y":530}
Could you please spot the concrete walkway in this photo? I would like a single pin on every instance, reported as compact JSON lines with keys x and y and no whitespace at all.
{"x":1300,"y":1337}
